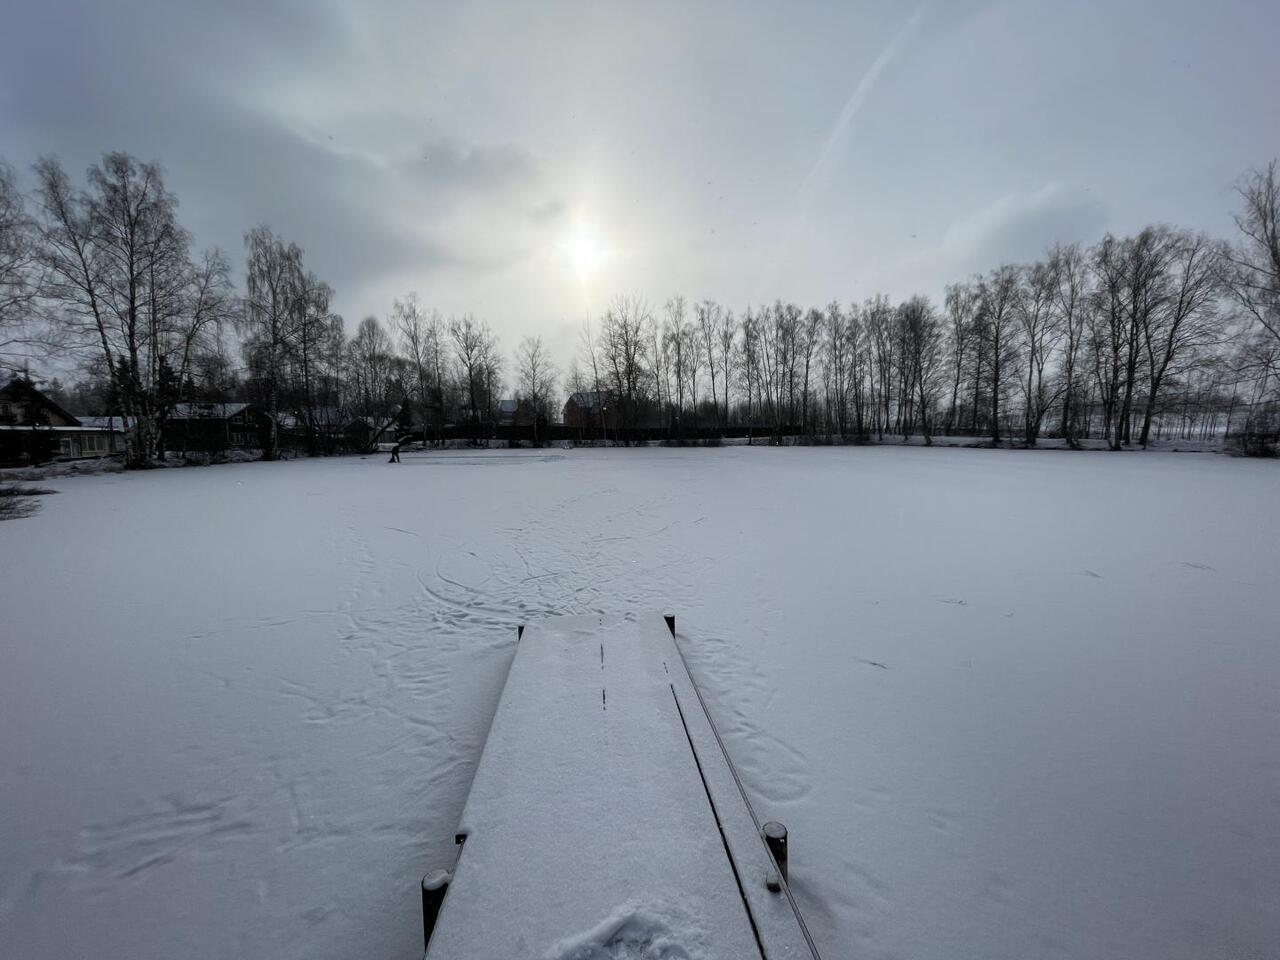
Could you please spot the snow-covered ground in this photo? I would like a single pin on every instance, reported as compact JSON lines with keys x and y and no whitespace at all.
{"x":1010,"y":704}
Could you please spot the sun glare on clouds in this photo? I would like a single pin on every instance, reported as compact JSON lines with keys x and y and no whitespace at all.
{"x":583,"y":250}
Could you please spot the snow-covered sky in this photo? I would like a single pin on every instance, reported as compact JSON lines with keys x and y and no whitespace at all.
{"x":527,"y":161}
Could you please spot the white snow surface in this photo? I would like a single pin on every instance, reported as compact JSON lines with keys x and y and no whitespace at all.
{"x":1009,"y":704}
{"x":636,"y":932}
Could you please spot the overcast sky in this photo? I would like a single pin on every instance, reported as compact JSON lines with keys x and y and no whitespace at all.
{"x":528,"y":161}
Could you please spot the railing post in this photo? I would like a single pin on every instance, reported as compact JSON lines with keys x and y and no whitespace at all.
{"x":775,"y":838}
{"x":434,"y":886}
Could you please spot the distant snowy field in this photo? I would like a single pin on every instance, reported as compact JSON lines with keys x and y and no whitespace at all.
{"x":1010,"y":704}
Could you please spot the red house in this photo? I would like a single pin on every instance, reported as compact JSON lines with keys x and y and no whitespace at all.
{"x":590,"y":409}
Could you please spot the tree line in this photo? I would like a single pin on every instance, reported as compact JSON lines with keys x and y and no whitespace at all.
{"x":1166,"y":332}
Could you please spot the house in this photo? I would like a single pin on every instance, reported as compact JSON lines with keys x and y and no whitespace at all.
{"x":34,"y":428}
{"x":320,"y":430}
{"x":590,"y":409}
{"x":367,"y":432}
{"x":516,"y":413}
{"x":98,"y":437}
{"x":22,"y":405}
{"x":212,"y":427}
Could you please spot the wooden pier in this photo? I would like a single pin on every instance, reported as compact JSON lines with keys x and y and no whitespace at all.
{"x":606,"y":819}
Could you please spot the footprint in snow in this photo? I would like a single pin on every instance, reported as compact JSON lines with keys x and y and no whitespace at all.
{"x":634,"y":932}
{"x":956,"y":601}
{"x":1198,"y":566}
{"x":1088,"y":573}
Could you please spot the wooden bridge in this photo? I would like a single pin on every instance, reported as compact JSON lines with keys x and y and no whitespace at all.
{"x":606,"y":819}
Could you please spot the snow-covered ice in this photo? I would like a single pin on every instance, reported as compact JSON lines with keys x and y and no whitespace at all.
{"x":1009,"y":704}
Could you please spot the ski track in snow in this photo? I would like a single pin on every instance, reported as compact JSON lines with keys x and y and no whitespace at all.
{"x":324,"y":742}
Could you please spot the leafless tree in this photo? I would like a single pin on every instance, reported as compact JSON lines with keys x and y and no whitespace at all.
{"x":961,"y":304}
{"x":726,"y":341}
{"x":20,"y":332}
{"x":1147,"y":290}
{"x":536,"y":376}
{"x":118,"y":272}
{"x":810,"y":337}
{"x":1187,"y":321}
{"x":421,"y":341}
{"x":835,"y":367}
{"x":475,"y":350}
{"x":998,"y":295}
{"x":1107,"y":329}
{"x":269,"y":320}
{"x":748,"y":367}
{"x":574,"y":381}
{"x":774,"y":331}
{"x":659,"y":367}
{"x":624,"y":337}
{"x":1071,"y":303}
{"x":675,"y":348}
{"x":377,"y":375}
{"x":206,"y":306}
{"x":922,"y":356}
{"x":859,"y":368}
{"x":1252,"y":271}
{"x":1040,"y":336}
{"x":880,"y":319}
{"x":708,"y":314}
{"x":312,"y":325}
{"x":691,"y":352}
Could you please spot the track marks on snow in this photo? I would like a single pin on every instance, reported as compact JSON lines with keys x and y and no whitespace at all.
{"x":163,"y":831}
{"x":778,"y":772}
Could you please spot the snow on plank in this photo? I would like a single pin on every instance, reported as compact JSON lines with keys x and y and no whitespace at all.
{"x":605,"y":818}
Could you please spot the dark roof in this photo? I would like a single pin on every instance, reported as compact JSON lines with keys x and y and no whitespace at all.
{"x":206,"y":411}
{"x":22,"y":390}
{"x":589,"y":399}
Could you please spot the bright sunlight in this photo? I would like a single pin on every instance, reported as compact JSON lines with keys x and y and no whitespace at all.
{"x":583,"y":249}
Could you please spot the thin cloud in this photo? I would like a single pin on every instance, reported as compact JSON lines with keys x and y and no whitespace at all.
{"x":1021,"y":226}
{"x":834,"y":147}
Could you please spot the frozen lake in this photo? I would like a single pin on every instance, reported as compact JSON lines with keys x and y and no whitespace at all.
{"x":1010,"y":704}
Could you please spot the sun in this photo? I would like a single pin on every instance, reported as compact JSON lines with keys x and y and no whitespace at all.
{"x":583,"y":250}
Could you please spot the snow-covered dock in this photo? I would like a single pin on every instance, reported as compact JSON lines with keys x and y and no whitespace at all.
{"x":606,"y":819}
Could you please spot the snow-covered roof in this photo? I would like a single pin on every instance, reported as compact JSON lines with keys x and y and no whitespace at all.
{"x":119,"y":424}
{"x":39,"y":428}
{"x":206,"y":411}
{"x":321,"y":417}
{"x":508,"y":406}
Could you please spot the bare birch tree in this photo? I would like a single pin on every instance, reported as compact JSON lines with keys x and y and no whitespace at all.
{"x":1040,"y":336}
{"x":536,"y":377}
{"x":118,"y":271}
{"x":20,"y":331}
